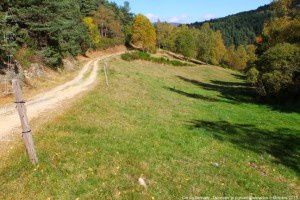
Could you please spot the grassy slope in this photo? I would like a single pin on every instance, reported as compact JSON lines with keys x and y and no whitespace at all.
{"x":169,"y":125}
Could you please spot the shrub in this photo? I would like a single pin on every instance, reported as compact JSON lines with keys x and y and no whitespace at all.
{"x":127,"y":57}
{"x":143,"y":55}
{"x":139,"y":55}
{"x":106,"y":43}
{"x":136,"y":56}
{"x":25,"y":56}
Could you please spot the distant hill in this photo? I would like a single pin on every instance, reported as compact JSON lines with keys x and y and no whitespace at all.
{"x":175,"y":24}
{"x":240,"y":28}
{"x":172,"y":23}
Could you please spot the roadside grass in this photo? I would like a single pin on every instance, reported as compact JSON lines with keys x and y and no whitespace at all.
{"x":188,"y":131}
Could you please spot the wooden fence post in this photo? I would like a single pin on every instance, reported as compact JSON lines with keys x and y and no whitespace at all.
{"x":106,"y":72}
{"x":26,"y":133}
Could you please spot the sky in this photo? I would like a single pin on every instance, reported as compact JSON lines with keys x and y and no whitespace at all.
{"x":179,"y":11}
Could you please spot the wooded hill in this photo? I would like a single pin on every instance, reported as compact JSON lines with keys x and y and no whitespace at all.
{"x":241,"y":28}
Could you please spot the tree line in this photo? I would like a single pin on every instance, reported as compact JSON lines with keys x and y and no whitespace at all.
{"x":272,"y":63}
{"x":203,"y":44}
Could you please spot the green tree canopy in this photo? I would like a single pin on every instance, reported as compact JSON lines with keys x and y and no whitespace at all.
{"x":185,"y":42}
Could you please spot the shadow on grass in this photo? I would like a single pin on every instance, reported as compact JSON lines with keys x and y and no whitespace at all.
{"x":234,"y":91}
{"x":192,"y":95}
{"x":239,"y":76}
{"x":240,"y":92}
{"x":282,"y":144}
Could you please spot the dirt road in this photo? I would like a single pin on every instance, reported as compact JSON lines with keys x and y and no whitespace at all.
{"x":9,"y":120}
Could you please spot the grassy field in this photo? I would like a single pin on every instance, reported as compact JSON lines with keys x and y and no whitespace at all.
{"x":188,"y":131}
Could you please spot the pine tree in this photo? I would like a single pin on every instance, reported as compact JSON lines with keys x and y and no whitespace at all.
{"x":56,"y":27}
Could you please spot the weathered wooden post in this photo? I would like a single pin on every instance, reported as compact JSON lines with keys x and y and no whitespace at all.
{"x":106,"y":72}
{"x":26,"y":133}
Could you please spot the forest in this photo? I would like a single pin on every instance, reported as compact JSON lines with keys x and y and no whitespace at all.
{"x":241,"y":28}
{"x":47,"y":31}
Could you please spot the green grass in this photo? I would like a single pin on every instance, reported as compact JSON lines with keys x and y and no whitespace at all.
{"x":189,"y":131}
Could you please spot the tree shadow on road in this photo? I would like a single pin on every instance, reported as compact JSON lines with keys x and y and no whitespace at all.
{"x":283,"y":144}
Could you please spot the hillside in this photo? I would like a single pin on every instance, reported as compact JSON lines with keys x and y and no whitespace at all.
{"x":240,"y":28}
{"x":184,"y":130}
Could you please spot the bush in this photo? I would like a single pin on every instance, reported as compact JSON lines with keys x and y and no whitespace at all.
{"x":143,"y":55}
{"x":279,"y":69}
{"x":139,"y":55}
{"x":136,"y":56}
{"x":127,"y":57}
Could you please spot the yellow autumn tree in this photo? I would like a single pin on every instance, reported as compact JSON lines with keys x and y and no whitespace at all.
{"x":93,"y":31}
{"x":143,"y":33}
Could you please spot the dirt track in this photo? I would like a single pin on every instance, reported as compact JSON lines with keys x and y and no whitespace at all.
{"x":9,"y":120}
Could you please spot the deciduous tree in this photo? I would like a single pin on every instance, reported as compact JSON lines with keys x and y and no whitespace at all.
{"x":143,"y":33}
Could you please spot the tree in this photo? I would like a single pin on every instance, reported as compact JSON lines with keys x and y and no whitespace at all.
{"x":8,"y":37}
{"x":219,"y":48}
{"x":165,"y":35}
{"x":126,"y":18}
{"x":93,"y":31}
{"x":278,"y":63}
{"x":285,"y":26}
{"x":251,"y":49}
{"x":242,"y":58}
{"x":185,"y":42}
{"x":279,"y":69}
{"x":89,"y":6}
{"x":239,"y":58}
{"x":230,"y":57}
{"x":56,"y":27}
{"x":211,"y":48}
{"x":108,"y":22}
{"x":143,"y":33}
{"x":283,"y":29}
